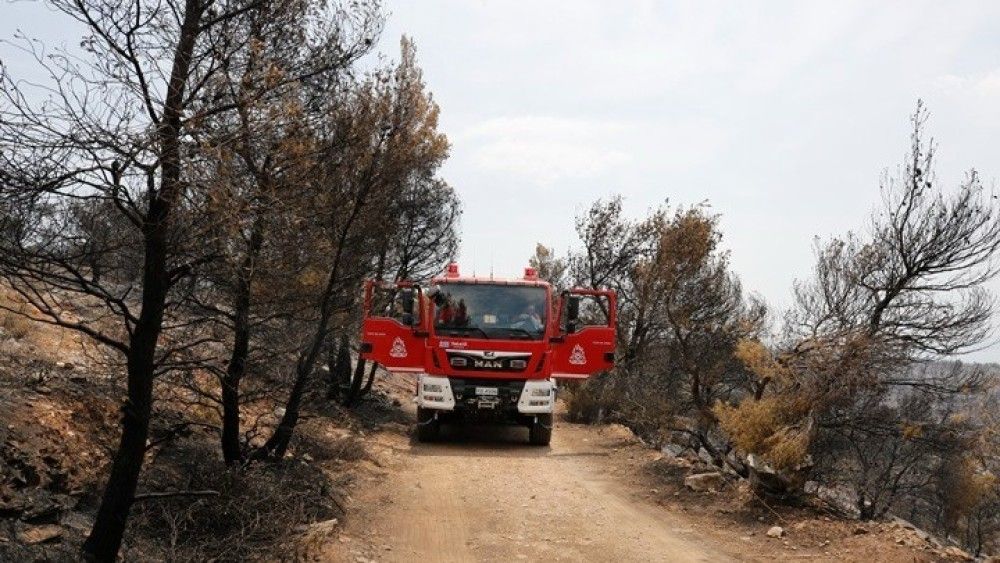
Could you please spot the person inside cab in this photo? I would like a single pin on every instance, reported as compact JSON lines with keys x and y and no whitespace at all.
{"x":528,"y":319}
{"x":445,"y":312}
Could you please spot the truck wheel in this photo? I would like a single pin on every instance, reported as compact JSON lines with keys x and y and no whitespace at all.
{"x":428,"y":428}
{"x":540,"y":432}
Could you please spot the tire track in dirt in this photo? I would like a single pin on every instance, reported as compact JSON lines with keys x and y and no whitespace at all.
{"x":483,"y":494}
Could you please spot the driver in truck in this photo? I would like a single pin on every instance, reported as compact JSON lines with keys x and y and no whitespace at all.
{"x":529,"y":319}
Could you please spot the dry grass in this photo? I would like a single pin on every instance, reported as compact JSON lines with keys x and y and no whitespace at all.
{"x":585,"y":402}
{"x":257,"y":514}
{"x":13,"y":319}
{"x":323,"y":444}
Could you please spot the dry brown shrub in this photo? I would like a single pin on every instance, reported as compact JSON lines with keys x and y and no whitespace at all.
{"x":327,"y":446}
{"x":590,"y":401}
{"x":14,"y":323}
{"x":770,"y":427}
{"x":258,"y":512}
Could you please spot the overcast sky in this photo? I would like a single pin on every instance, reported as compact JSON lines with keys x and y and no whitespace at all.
{"x":781,"y":115}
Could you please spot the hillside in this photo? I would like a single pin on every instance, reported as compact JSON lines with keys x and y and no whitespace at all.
{"x":356,"y":486}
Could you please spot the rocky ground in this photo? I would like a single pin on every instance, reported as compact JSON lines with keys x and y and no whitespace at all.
{"x":598,"y":494}
{"x":357,"y":487}
{"x":59,"y":417}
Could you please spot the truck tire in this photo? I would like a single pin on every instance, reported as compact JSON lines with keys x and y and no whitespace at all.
{"x":540,"y":431}
{"x":428,"y":427}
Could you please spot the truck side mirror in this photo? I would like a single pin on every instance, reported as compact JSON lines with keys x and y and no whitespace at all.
{"x":572,"y":313}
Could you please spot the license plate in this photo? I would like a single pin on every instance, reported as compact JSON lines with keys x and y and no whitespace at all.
{"x":486,"y":391}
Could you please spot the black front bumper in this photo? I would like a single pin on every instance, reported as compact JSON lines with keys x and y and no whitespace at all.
{"x":478,"y":406}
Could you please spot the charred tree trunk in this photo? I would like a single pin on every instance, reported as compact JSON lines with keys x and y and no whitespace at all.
{"x":277,"y":444}
{"x":356,"y":381}
{"x":236,"y":368}
{"x":371,"y":380}
{"x":340,"y":367}
{"x":105,"y":538}
{"x":356,"y":389}
{"x":333,"y":378}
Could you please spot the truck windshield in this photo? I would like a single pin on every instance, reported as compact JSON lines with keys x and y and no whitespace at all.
{"x":490,"y":311}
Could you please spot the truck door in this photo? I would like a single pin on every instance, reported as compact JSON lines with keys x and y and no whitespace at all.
{"x":586,"y":343}
{"x":393,"y":332}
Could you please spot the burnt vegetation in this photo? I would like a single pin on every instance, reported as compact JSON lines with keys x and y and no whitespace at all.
{"x":199,"y":191}
{"x":853,"y":398}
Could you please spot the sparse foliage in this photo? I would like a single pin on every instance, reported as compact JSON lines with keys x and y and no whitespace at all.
{"x":208,"y":176}
{"x":858,"y":387}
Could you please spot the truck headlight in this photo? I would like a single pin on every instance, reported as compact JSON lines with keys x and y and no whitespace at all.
{"x":433,"y":388}
{"x":541,"y":392}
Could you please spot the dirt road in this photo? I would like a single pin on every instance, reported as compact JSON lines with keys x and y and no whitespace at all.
{"x":483,"y":494}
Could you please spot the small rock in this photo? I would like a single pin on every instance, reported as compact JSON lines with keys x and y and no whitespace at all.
{"x":68,"y":366}
{"x":672,"y":450}
{"x":776,"y":532}
{"x":279,"y":411}
{"x":39,"y":534}
{"x":324,"y":527}
{"x":307,"y":457}
{"x":43,"y":513}
{"x":859,"y":530}
{"x":958,"y":553}
{"x":703,"y":482}
{"x":904,"y":524}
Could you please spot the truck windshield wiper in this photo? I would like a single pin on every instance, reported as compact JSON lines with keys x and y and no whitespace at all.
{"x":520,"y":331}
{"x":467,"y":329}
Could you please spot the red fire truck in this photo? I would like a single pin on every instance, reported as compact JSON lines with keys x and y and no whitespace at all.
{"x":487,"y":350}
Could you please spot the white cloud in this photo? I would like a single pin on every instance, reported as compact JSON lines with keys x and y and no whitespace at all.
{"x":546,"y":149}
{"x":982,"y":84}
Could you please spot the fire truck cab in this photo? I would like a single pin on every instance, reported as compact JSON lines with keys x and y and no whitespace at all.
{"x":487,"y":350}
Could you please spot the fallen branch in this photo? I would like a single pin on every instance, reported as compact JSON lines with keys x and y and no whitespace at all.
{"x":169,"y":494}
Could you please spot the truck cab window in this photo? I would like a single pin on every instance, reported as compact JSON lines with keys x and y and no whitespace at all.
{"x":490,"y":311}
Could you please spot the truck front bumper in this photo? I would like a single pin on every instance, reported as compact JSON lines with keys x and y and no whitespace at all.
{"x":486,"y":397}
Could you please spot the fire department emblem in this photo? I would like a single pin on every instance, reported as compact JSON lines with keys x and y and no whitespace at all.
{"x":398,"y":348}
{"x":577,"y":357}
